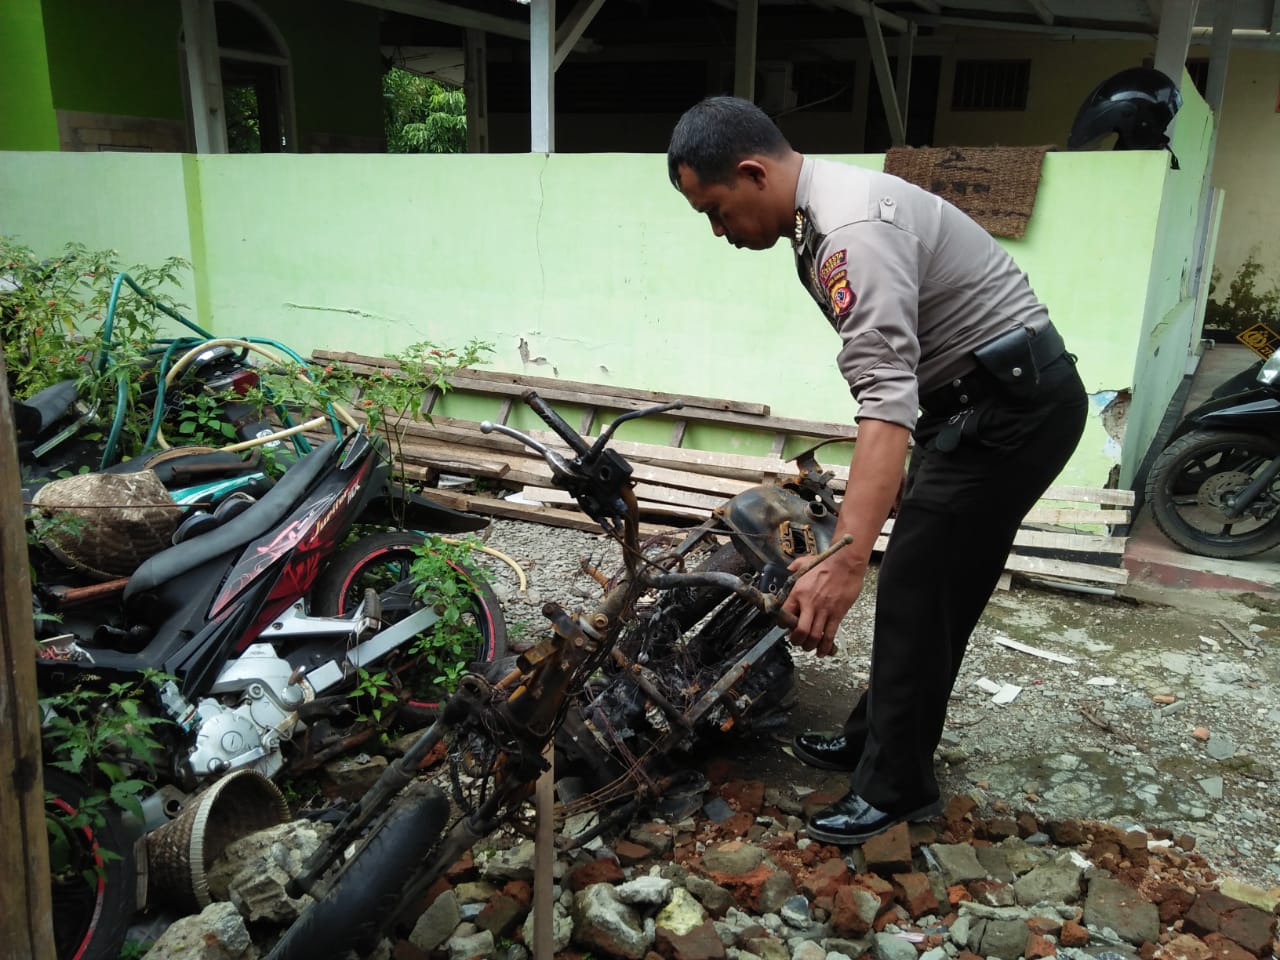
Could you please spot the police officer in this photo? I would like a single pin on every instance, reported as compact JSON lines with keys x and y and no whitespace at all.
{"x":943,"y":338}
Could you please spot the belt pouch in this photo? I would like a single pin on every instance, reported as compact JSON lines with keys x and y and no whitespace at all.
{"x":1010,"y":359}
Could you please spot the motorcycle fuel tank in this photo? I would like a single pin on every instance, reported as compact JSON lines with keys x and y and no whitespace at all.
{"x":778,"y":523}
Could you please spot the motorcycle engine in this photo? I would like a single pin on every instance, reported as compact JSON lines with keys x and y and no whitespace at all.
{"x":251,"y":710}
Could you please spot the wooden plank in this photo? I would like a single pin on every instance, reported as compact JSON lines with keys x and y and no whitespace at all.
{"x":644,"y":491}
{"x":809,"y":428}
{"x":550,"y":516}
{"x":1061,"y":516}
{"x":521,"y":467}
{"x":1067,"y":569}
{"x":1077,"y":542}
{"x":677,"y":433}
{"x":732,"y":465}
{"x":446,"y":459}
{"x":650,"y":397}
{"x":560,"y":500}
{"x":1123,"y":498}
{"x":1083,"y":542}
{"x":25,"y":889}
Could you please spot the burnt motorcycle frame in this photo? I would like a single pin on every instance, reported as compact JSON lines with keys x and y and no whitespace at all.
{"x":495,"y":729}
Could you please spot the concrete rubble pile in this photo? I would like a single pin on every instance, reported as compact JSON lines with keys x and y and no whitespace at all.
{"x":741,"y":881}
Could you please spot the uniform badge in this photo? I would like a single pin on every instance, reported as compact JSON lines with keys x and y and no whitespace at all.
{"x":837,"y":259}
{"x":841,"y":294}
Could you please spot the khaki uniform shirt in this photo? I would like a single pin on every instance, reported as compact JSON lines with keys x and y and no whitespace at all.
{"x":910,"y":283}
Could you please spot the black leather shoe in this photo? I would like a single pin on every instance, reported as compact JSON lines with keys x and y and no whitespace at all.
{"x":852,"y":820}
{"x":825,"y":751}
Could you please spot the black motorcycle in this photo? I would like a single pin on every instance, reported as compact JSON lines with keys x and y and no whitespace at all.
{"x":246,"y":633}
{"x":1215,"y":489}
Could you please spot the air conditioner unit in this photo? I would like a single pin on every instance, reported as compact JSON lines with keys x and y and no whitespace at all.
{"x":774,"y":88}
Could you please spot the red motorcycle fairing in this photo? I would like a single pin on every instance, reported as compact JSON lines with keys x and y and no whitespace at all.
{"x":300,"y":546}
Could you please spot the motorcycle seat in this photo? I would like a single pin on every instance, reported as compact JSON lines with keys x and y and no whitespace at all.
{"x":175,"y":561}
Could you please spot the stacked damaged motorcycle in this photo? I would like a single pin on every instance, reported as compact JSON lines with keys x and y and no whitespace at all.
{"x":247,"y":634}
{"x":686,"y":643}
{"x":1215,"y":488}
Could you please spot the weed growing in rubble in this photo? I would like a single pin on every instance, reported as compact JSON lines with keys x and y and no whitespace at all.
{"x":446,"y":579}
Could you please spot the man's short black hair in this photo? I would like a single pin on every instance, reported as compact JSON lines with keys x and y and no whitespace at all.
{"x":714,"y":135}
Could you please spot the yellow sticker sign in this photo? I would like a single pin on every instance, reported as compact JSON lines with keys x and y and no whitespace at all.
{"x":1261,"y":339}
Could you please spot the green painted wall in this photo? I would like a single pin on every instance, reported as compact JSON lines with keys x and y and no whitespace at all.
{"x":27,"y":120}
{"x":1170,"y":320}
{"x":134,"y":203}
{"x":585,"y":267}
{"x":122,"y":58}
{"x":118,"y":58}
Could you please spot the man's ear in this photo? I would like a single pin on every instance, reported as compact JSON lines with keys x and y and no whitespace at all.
{"x":754,"y":171}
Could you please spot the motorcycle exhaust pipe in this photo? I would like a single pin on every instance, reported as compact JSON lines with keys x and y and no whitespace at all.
{"x":73,"y":596}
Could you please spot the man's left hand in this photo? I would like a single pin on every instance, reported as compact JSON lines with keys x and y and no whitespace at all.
{"x":819,"y":601}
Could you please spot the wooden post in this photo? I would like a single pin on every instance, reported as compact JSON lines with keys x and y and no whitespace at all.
{"x":26,"y":927}
{"x":744,"y":50}
{"x":476,"y":85}
{"x":542,"y":76}
{"x":544,"y":859}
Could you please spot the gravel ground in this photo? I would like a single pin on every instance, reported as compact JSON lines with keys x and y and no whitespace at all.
{"x":1165,"y":715}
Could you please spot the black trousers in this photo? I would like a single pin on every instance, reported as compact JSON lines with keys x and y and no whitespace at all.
{"x":952,"y":534}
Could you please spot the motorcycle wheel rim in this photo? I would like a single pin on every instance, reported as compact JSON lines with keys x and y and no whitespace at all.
{"x":352,"y":591}
{"x":1197,"y":492}
{"x":73,"y":895}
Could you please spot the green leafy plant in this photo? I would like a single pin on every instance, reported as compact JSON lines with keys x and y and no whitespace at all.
{"x":388,"y":397}
{"x":373,"y":695}
{"x":41,"y":528}
{"x":101,"y":736}
{"x":444,"y":575}
{"x":134,"y":949}
{"x":1246,"y":302}
{"x":53,"y":316}
{"x":423,"y":115}
{"x":202,"y":421}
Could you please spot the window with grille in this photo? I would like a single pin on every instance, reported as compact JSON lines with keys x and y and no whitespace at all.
{"x":991,"y":85}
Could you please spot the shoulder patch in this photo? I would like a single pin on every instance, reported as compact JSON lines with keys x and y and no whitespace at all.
{"x":837,"y":259}
{"x":841,"y":294}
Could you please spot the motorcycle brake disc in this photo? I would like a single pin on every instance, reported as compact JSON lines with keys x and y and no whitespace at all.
{"x":1215,"y":491}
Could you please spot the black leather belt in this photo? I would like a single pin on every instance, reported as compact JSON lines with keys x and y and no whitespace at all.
{"x":979,"y":383}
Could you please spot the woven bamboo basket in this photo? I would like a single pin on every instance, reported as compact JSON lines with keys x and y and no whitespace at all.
{"x":106,"y":524}
{"x":180,"y":853}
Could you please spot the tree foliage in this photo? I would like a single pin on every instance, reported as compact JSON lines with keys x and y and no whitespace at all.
{"x":422,"y":114}
{"x":1246,"y":303}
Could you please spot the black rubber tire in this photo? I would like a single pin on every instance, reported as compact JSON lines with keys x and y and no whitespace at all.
{"x":336,"y":591}
{"x":356,"y":910}
{"x":1177,"y":477}
{"x":90,"y":921}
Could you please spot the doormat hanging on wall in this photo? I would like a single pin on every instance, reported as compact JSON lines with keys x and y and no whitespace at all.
{"x":994,"y":185}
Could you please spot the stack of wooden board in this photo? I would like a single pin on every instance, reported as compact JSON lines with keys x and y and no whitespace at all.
{"x":1065,"y":537}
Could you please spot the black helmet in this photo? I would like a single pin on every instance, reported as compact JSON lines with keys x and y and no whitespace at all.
{"x":1138,"y":104}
